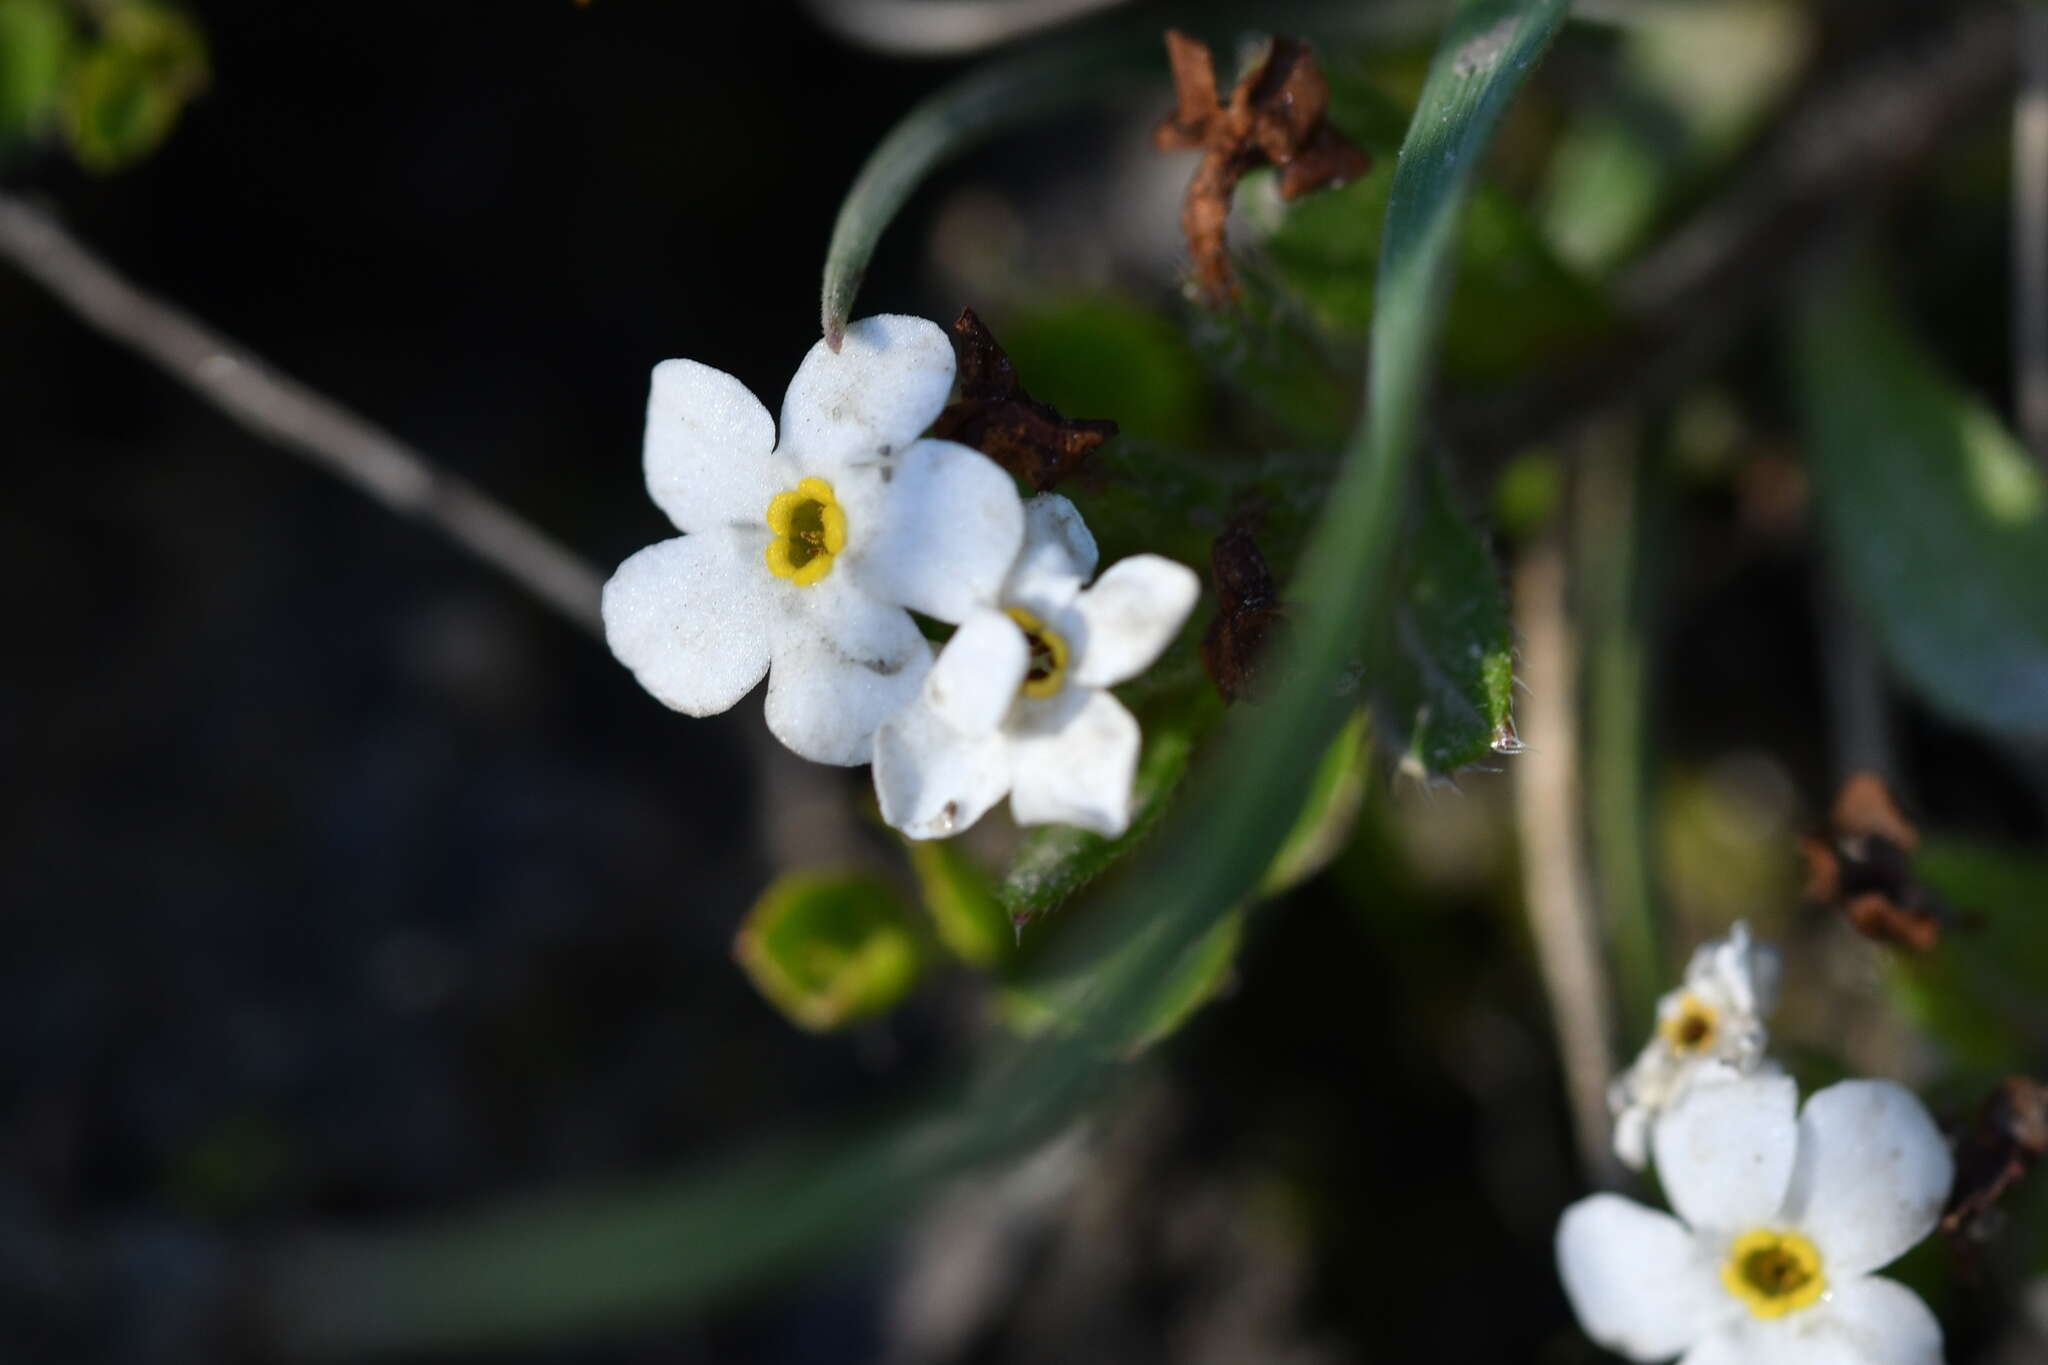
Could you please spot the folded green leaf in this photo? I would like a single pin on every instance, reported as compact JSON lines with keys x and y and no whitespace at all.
{"x":829,"y":948}
{"x":1937,"y":520}
{"x":992,"y":99}
{"x":127,"y":91}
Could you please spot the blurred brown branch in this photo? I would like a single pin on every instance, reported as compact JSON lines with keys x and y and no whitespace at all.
{"x":280,"y":408}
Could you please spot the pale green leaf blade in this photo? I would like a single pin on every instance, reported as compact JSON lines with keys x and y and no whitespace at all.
{"x":1936,"y":518}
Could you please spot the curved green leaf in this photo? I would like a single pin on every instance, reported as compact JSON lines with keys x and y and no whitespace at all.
{"x":572,"y":1265}
{"x":992,"y":99}
{"x":829,"y":948}
{"x":1936,"y":518}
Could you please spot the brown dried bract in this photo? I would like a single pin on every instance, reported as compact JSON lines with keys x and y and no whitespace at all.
{"x":995,"y":416}
{"x":1864,"y":867}
{"x":1249,"y":616}
{"x":1275,"y":118}
{"x":2009,"y":1136}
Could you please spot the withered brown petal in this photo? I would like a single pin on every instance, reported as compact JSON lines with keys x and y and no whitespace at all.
{"x":994,"y":414}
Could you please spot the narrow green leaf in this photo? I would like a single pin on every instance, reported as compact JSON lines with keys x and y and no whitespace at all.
{"x":1936,"y":518}
{"x":1327,"y":816}
{"x":570,"y":1266}
{"x":829,"y":948}
{"x":989,"y":101}
{"x":1441,"y":674}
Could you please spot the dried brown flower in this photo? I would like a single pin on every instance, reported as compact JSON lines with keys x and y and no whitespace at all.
{"x":1249,"y":615}
{"x":1275,"y":118}
{"x":1864,"y":867}
{"x":995,"y":416}
{"x":2009,"y":1136}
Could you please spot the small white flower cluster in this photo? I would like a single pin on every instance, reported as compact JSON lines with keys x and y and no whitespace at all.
{"x":1783,"y":1211}
{"x":1710,"y":1029}
{"x":803,"y":558}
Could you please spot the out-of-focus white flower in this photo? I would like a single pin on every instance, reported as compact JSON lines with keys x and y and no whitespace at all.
{"x":1018,"y":699}
{"x":802,"y":555}
{"x":1781,"y":1219}
{"x":1710,"y":1029}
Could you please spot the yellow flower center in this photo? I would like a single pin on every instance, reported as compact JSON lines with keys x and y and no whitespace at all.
{"x":1691,"y":1029}
{"x":809,"y":528}
{"x":1773,"y":1273}
{"x":1047,"y":671}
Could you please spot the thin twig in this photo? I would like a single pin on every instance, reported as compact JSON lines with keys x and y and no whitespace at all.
{"x":1550,"y":825}
{"x":2030,"y":232}
{"x":287,"y":412}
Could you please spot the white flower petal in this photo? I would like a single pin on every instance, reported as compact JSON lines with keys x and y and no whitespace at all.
{"x":949,"y":527}
{"x":824,"y":702}
{"x":1073,"y":756}
{"x":1637,"y":1278}
{"x":1724,"y":1152}
{"x":708,"y":449}
{"x":1745,"y":1340}
{"x":1059,"y":555}
{"x":1133,"y":612}
{"x":1881,"y":1322}
{"x":1871,"y":1176}
{"x":689,"y":619}
{"x":871,"y":398}
{"x":975,"y":680}
{"x":931,"y":779}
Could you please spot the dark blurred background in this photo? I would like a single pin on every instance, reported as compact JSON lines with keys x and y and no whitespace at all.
{"x":344,"y":886}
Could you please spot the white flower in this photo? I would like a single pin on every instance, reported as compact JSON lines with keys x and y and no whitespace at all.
{"x":801,"y":555}
{"x":1784,"y":1218}
{"x":1710,"y":1029}
{"x":1017,"y":701}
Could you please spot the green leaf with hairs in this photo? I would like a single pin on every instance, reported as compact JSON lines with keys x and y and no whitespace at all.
{"x":1441,"y":674}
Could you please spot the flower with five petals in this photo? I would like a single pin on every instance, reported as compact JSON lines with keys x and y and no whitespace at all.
{"x":1782,"y":1214}
{"x":804,"y":556}
{"x":1018,"y":700}
{"x":1710,"y":1029}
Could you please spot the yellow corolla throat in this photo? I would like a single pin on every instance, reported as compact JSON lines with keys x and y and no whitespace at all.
{"x":1047,"y":671}
{"x":808,"y":528}
{"x":1774,"y":1273}
{"x":1691,"y":1029}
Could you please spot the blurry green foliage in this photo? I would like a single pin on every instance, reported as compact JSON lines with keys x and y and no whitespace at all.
{"x":1979,"y":995}
{"x":1441,"y":673}
{"x":1936,"y":517}
{"x":1032,"y":1005}
{"x":1108,"y":357}
{"x":1528,"y":494}
{"x":1327,"y":814}
{"x":35,"y":53}
{"x":128,"y":88}
{"x":961,"y":899}
{"x":1693,"y":82}
{"x":1514,"y":304}
{"x":829,"y":948}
